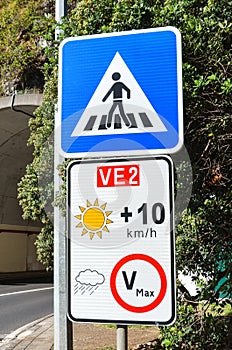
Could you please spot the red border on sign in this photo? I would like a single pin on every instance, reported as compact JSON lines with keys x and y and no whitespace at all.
{"x":163,"y":288}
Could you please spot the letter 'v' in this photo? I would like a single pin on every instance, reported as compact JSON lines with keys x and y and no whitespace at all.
{"x":129,"y":284}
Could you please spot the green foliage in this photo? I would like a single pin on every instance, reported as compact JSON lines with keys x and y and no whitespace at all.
{"x":92,"y":17}
{"x":22,"y":26}
{"x":129,"y":15}
{"x":29,"y":198}
{"x":44,"y":245}
{"x":197,"y":240}
{"x":35,"y":190}
{"x":194,"y":328}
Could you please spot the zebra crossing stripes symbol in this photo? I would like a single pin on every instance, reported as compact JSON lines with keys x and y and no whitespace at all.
{"x":100,"y":122}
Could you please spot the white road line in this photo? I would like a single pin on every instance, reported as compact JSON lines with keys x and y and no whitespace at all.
{"x":26,"y":291}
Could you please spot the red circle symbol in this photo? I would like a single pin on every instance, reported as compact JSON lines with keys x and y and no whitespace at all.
{"x":163,"y":280}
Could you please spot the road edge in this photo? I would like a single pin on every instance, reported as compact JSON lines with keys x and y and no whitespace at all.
{"x":24,"y":329}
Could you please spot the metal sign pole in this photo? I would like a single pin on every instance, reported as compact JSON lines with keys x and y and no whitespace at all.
{"x":63,"y":336}
{"x":122,"y":337}
{"x":62,"y":326}
{"x":60,"y":319}
{"x":61,"y":9}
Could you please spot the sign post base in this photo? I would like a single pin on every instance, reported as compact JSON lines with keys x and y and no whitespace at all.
{"x":122,"y":338}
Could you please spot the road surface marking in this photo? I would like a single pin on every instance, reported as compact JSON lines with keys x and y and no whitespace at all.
{"x":26,"y":291}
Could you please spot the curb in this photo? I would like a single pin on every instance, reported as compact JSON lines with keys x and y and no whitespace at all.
{"x":23,"y":331}
{"x":25,"y":276}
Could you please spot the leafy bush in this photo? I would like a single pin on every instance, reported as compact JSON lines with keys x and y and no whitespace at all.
{"x":195,"y":328}
{"x":22,"y":27}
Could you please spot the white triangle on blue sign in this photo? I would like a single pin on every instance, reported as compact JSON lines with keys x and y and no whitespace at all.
{"x":118,"y":106}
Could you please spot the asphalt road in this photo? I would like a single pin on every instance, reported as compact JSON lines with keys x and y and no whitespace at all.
{"x":22,"y":303}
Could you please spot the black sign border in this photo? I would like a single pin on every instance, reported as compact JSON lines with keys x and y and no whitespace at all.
{"x":172,"y":240}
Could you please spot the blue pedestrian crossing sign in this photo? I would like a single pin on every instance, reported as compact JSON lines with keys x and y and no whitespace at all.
{"x":120,"y":94}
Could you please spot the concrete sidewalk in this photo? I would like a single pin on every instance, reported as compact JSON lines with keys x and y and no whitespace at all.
{"x":37,"y":335}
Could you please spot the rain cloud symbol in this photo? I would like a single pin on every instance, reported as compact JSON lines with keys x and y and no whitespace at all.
{"x":88,"y":281}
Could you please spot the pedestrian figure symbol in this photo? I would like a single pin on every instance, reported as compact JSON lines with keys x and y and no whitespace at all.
{"x":117,"y":90}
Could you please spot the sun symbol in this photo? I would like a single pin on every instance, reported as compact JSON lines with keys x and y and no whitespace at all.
{"x":94,"y":219}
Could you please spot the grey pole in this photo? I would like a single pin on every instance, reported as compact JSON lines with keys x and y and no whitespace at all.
{"x":60,"y":285}
{"x":61,"y":9}
{"x":62,"y":327}
{"x":122,"y":337}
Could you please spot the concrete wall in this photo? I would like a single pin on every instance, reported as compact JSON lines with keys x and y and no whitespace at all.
{"x":18,"y":252}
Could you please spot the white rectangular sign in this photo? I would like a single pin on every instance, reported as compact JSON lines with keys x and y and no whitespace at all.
{"x":121,"y":241}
